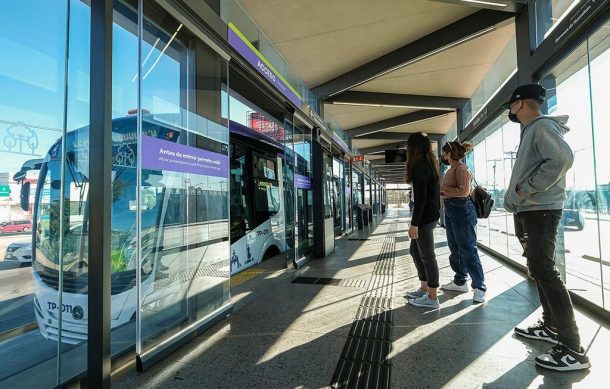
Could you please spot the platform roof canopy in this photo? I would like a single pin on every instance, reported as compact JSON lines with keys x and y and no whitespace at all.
{"x":388,"y":68}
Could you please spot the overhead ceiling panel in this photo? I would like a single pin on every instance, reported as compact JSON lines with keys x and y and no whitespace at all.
{"x":323,"y":39}
{"x":454,"y":72}
{"x":364,"y":143}
{"x":437,"y":125}
{"x":350,"y":116}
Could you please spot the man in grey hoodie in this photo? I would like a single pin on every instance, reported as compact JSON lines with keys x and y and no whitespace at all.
{"x":535,"y":195}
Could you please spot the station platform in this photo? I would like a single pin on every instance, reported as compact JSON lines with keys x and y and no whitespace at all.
{"x":344,"y":322}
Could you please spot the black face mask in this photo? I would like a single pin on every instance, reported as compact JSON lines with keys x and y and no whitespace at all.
{"x":513,"y":116}
{"x":445,"y":162}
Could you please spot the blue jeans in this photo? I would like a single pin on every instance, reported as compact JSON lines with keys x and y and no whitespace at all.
{"x":461,"y":224}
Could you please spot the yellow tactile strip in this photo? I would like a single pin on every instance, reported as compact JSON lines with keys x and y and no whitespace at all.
{"x":245,"y":276}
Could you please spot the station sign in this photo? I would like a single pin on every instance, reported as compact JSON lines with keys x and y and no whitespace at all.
{"x":358,"y":158}
{"x":302,"y":182}
{"x":242,"y":45}
{"x":581,"y":13}
{"x":158,"y":154}
{"x":5,"y":191}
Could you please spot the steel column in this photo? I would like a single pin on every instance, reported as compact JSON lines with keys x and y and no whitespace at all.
{"x":100,"y":170}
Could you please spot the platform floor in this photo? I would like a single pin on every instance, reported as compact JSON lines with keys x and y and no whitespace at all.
{"x":306,"y":335}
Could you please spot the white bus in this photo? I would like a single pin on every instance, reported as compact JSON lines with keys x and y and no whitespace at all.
{"x":176,"y":218}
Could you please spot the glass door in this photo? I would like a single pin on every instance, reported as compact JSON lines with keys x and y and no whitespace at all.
{"x":183,"y":209}
{"x":303,"y":190}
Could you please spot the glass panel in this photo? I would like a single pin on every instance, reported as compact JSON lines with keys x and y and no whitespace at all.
{"x":329,"y":197}
{"x":304,"y":205}
{"x":501,"y":70}
{"x":338,"y":189}
{"x":511,"y":133}
{"x":578,"y":253}
{"x":241,"y":210}
{"x":496,"y":182}
{"x":477,"y":162}
{"x":289,"y":193}
{"x":44,"y":98}
{"x":357,"y":195}
{"x":599,"y":57}
{"x":183,"y":198}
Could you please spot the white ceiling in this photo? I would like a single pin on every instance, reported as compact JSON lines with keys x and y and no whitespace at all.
{"x":350,"y":116}
{"x":322,"y":40}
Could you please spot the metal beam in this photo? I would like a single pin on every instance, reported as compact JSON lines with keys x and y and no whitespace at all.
{"x":470,"y":27}
{"x":499,"y":5}
{"x":396,"y":121}
{"x":572,"y":31}
{"x":397,"y":100}
{"x":379,"y":162}
{"x":381,"y":148}
{"x":100,"y":168}
{"x":395,"y":136}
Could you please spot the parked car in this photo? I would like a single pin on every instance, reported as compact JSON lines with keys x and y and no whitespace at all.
{"x":19,"y":251}
{"x":573,"y":218}
{"x":16,"y":226}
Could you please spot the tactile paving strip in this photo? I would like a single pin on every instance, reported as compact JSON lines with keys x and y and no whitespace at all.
{"x":365,"y":362}
{"x":344,"y":282}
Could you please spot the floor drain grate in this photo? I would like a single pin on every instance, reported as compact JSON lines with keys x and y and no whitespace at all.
{"x":317,"y":280}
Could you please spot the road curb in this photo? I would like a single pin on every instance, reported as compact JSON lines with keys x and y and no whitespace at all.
{"x":17,"y":331}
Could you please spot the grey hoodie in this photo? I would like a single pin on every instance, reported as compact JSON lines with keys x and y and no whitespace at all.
{"x":540,"y":169}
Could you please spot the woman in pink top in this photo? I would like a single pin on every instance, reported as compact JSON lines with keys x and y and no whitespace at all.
{"x":461,"y":223}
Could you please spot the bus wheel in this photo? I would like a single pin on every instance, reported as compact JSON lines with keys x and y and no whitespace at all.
{"x":271,"y":252}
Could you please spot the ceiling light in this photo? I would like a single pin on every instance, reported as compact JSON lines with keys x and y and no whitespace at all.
{"x":389,"y":106}
{"x":484,"y":3}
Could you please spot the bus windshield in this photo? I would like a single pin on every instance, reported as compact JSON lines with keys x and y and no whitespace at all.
{"x":73,"y":226}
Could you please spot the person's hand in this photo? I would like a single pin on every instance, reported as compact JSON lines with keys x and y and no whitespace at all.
{"x":518,"y":191}
{"x":413,"y":232}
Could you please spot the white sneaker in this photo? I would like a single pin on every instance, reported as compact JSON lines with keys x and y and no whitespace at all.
{"x":455,"y":287}
{"x":417,"y":294}
{"x":425,"y":302}
{"x":478,"y":296}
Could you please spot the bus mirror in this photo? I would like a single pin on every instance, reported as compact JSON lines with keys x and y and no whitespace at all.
{"x":25,"y":196}
{"x":56,"y":184}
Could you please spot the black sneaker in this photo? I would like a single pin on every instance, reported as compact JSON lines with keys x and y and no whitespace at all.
{"x":563,"y":358}
{"x":538,"y":331}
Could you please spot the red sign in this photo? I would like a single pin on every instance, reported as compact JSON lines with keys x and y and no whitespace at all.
{"x":259,"y":123}
{"x":358,"y":158}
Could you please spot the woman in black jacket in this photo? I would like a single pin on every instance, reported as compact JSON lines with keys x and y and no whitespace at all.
{"x":423,"y":175}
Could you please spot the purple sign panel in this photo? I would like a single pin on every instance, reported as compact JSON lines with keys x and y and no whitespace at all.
{"x":302,"y":182}
{"x":158,"y":154}
{"x":256,"y":59}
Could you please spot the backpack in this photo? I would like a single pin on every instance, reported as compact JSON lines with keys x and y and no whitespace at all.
{"x":483,"y":203}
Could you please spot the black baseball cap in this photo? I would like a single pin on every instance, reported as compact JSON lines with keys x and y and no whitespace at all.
{"x":527,"y":91}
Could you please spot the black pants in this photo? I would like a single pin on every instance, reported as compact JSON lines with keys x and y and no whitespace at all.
{"x":537,"y":232}
{"x":422,"y":251}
